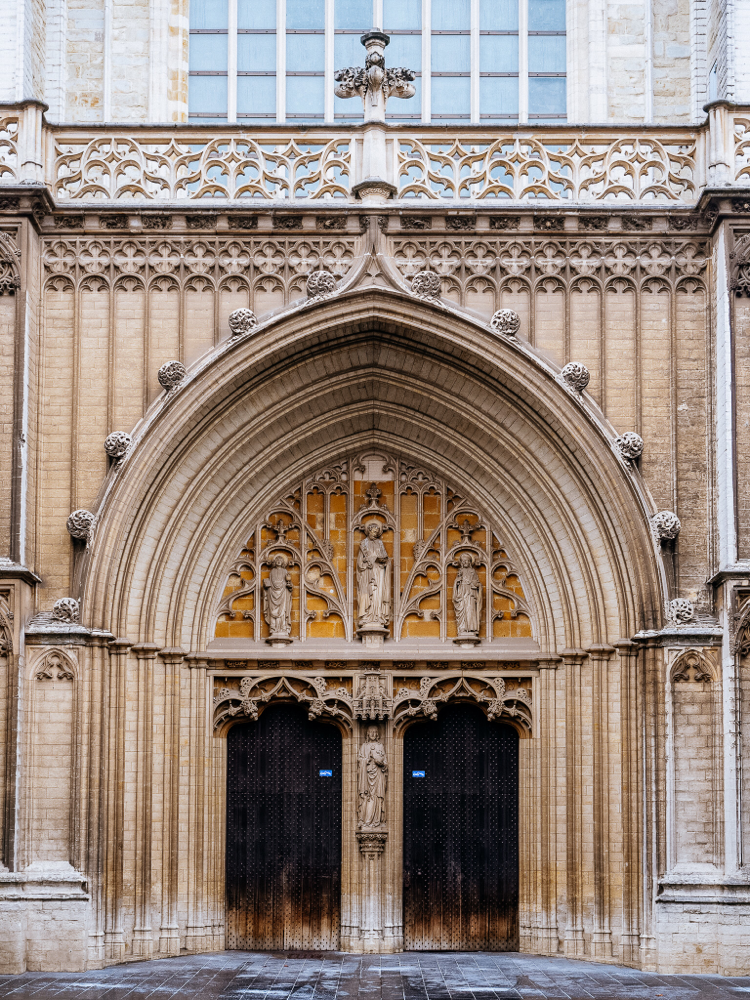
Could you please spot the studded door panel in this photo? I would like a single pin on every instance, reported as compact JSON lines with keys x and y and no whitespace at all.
{"x":283,"y":858}
{"x":461,"y":834}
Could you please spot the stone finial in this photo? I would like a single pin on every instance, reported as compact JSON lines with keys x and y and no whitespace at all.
{"x":575,"y":376}
{"x":680,"y":611}
{"x":426,"y":285}
{"x":80,"y":523}
{"x":171,"y":374}
{"x":666,"y":525}
{"x":242,"y":321}
{"x":320,"y":284}
{"x":116,"y":444}
{"x":506,"y":322}
{"x":66,"y":610}
{"x":630,"y":445}
{"x":373,"y":82}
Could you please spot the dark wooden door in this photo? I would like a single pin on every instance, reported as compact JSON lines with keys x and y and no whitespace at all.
{"x":283,"y":859}
{"x":461,"y":834}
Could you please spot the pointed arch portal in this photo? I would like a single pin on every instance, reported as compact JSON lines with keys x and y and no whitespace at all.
{"x":227,"y":547}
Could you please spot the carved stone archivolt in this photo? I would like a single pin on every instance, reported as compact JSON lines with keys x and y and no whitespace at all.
{"x":375,"y":545}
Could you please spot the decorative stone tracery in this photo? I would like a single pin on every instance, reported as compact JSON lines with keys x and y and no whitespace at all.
{"x":426,"y":531}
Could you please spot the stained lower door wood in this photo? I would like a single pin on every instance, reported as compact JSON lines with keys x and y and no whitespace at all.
{"x":283,"y":857}
{"x":461,"y":834}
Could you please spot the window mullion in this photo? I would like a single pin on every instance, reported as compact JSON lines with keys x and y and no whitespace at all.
{"x":329,"y":67}
{"x":232,"y":61}
{"x":523,"y":61}
{"x":475,"y":60}
{"x":377,"y":17}
{"x":280,"y":60}
{"x":426,"y":61}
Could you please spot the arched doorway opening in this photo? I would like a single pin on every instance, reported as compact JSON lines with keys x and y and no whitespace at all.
{"x":283,"y":857}
{"x":461,"y":834}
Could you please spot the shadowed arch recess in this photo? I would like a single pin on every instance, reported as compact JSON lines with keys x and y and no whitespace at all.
{"x":372,"y":370}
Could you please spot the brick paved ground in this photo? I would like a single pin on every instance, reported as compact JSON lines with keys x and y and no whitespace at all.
{"x":446,"y":976}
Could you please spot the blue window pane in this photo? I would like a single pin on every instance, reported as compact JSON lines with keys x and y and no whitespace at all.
{"x":398,"y":108}
{"x":305,"y":53}
{"x":405,"y":50}
{"x":546,"y":15}
{"x":451,"y":95}
{"x":256,"y":13}
{"x":305,"y":13}
{"x":546,"y":53}
{"x":402,"y":14}
{"x":208,"y":94}
{"x":350,"y":107}
{"x":547,"y":95}
{"x":355,"y":14}
{"x":498,"y":95}
{"x":304,"y":95}
{"x":498,"y":53}
{"x":451,"y":53}
{"x":348,"y":51}
{"x":208,"y":14}
{"x":451,"y":14}
{"x":208,"y":52}
{"x":256,"y":52}
{"x":498,"y":15}
{"x":256,"y":95}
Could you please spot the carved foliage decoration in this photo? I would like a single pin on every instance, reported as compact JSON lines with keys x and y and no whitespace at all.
{"x":54,"y":665}
{"x":245,"y":697}
{"x":497,"y":696}
{"x":10,"y":275}
{"x":6,"y":628}
{"x":740,"y":257}
{"x":426,"y":525}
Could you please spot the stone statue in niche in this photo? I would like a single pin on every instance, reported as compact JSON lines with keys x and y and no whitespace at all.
{"x":372,"y":780}
{"x":373,"y":581}
{"x":277,"y":600}
{"x":467,"y":599}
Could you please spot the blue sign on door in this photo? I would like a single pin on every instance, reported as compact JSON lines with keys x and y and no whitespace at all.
{"x":325,"y":773}
{"x":417,"y":774}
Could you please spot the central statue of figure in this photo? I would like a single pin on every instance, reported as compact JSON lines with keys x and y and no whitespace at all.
{"x":373,"y":580}
{"x":372,"y":777}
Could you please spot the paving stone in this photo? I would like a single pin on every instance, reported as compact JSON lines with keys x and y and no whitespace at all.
{"x":334,"y":976}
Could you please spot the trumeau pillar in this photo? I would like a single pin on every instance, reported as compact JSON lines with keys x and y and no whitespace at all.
{"x":573,"y":660}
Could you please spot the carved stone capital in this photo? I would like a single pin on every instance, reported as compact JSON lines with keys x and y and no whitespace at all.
{"x":372,"y":841}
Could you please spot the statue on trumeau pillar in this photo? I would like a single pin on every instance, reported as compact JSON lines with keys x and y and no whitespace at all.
{"x":277,"y":601}
{"x":373,"y":582}
{"x":467,"y":600}
{"x":372,"y":780}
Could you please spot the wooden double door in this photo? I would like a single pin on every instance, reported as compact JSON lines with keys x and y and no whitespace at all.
{"x":460,"y":833}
